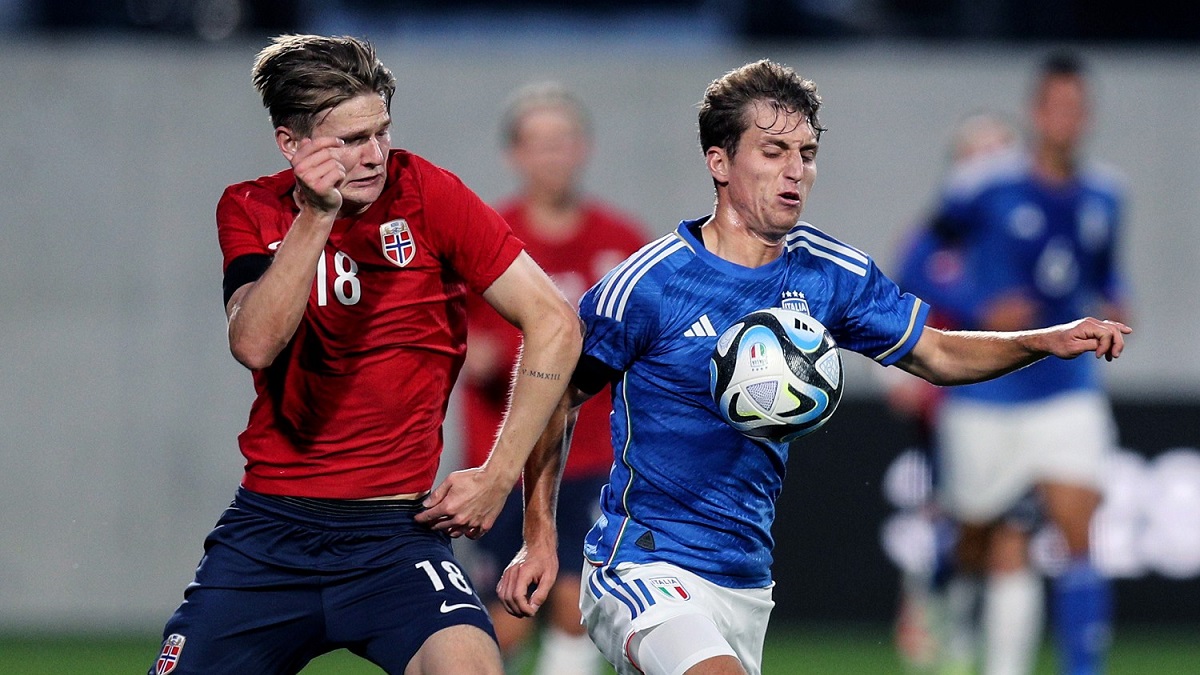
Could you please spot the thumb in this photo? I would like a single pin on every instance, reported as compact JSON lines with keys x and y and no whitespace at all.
{"x":539,"y":595}
{"x":436,"y":496}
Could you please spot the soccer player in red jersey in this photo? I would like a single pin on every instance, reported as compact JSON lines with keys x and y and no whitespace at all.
{"x":345,"y":287}
{"x":576,"y":239}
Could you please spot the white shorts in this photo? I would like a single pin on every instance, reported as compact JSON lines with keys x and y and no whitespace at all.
{"x":992,"y":454}
{"x":619,"y":602}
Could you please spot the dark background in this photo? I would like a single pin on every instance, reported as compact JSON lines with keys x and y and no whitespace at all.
{"x":828,"y":560}
{"x":941,"y":20}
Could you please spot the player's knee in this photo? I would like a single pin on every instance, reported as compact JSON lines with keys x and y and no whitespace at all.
{"x":679,"y":643}
{"x":1008,"y":552}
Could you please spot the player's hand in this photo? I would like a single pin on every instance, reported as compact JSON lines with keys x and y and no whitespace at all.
{"x":527,"y":580}
{"x":319,"y":173}
{"x":1104,"y":338}
{"x":466,"y":503}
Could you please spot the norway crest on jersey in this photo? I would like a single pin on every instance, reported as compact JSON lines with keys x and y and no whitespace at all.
{"x":397,"y":241}
{"x":168,"y":658}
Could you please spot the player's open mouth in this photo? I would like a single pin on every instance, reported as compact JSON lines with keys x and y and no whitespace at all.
{"x":792,"y":198}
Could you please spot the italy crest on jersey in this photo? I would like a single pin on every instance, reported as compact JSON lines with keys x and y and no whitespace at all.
{"x":795,"y":301}
{"x":670,"y":587}
{"x":397,"y":242}
{"x":168,"y":658}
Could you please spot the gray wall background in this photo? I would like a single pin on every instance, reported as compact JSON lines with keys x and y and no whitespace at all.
{"x":120,"y":404}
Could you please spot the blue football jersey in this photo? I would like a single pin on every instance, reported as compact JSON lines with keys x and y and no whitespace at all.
{"x":1054,"y":244}
{"x":685,"y":487}
{"x":935,"y":270}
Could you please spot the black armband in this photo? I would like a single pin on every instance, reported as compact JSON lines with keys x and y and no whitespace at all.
{"x":243,"y":270}
{"x":591,"y":375}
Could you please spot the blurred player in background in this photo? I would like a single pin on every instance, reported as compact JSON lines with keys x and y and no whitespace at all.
{"x":932,"y":265}
{"x":576,"y":240}
{"x":345,"y":288}
{"x":678,"y":573}
{"x":1040,"y":229}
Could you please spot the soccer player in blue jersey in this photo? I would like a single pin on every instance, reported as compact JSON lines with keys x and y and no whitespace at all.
{"x":1041,"y":227}
{"x":936,"y":622}
{"x":678,"y":571}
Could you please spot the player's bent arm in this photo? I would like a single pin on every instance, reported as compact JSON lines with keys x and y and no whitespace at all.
{"x":468,"y":501}
{"x":552,"y":338}
{"x":527,"y":580}
{"x":263,"y":315}
{"x":543,"y":469}
{"x":964,"y":357}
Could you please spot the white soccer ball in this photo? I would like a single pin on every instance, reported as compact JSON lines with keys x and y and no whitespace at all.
{"x":776,"y":374}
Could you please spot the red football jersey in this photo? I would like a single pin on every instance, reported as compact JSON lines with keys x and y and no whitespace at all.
{"x":603,"y":239}
{"x":354,"y":406}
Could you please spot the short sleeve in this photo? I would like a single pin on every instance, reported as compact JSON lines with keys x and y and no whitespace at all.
{"x":237,"y":232}
{"x":620,"y":321}
{"x":881,"y":321}
{"x":470,"y":236}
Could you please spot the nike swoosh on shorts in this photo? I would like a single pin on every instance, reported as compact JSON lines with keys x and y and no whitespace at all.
{"x":446,"y":609}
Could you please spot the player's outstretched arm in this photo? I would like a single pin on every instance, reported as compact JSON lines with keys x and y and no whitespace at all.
{"x":263,"y":315}
{"x":527,"y":580}
{"x":469,"y":500}
{"x":963,"y":357}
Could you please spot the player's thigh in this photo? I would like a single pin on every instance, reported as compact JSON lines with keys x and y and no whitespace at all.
{"x":1007,"y":549}
{"x":1070,"y":508}
{"x":618,"y":604}
{"x":984,"y":468}
{"x":252,"y":629}
{"x":455,"y":650}
{"x":563,"y":603}
{"x":690,"y":644}
{"x":387,"y":615}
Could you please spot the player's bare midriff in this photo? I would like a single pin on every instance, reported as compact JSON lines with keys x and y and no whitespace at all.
{"x":405,"y":496}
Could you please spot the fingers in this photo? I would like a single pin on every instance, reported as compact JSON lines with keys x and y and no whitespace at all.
{"x":1110,"y":339}
{"x":434,"y":511}
{"x":540,"y":592}
{"x":318,"y":170}
{"x":523,"y":589}
{"x":456,"y":511}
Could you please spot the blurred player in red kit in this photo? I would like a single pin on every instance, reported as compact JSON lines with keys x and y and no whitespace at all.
{"x":345,"y":282}
{"x":576,"y":240}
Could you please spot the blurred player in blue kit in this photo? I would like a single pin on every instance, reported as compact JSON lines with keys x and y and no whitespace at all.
{"x":678,"y":571}
{"x":932,"y":265}
{"x":1039,"y":230}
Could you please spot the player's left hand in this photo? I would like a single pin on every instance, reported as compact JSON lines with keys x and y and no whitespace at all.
{"x":1104,"y":338}
{"x":527,"y":580}
{"x":466,"y":503}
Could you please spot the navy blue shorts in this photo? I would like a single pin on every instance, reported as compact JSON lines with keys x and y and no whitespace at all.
{"x":578,"y":509}
{"x":284,"y":580}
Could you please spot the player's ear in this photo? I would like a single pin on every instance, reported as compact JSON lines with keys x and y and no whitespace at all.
{"x":288,"y":141}
{"x":718,"y":164}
